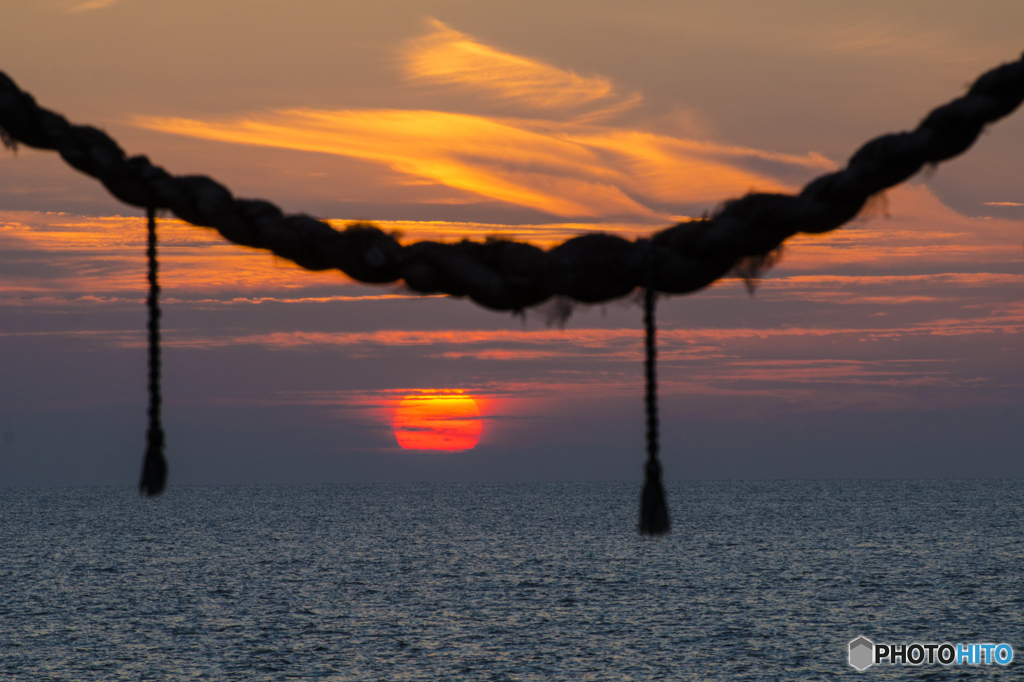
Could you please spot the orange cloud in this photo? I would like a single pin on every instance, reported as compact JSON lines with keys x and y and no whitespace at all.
{"x":451,"y":58}
{"x":63,"y":253}
{"x":90,"y":5}
{"x":562,"y":169}
{"x":53,"y":258}
{"x":486,"y":157}
{"x":568,"y":167}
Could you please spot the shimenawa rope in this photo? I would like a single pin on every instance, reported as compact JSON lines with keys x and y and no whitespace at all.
{"x":742,"y":237}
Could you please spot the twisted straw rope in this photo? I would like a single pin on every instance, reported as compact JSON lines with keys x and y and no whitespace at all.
{"x":509,"y":275}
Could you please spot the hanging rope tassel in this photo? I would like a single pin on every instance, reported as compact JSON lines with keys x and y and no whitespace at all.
{"x":653,"y":507}
{"x":154,"y":467}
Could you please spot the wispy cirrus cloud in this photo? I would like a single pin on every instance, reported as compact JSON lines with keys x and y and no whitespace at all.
{"x":448,"y":57}
{"x":564,"y":170}
{"x":557,"y":159}
{"x":90,"y":5}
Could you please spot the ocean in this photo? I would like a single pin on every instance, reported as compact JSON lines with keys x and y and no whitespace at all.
{"x":535,"y":581}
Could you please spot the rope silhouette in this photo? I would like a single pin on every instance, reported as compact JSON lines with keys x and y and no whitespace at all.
{"x":507,"y":275}
{"x":653,"y":508}
{"x":743,"y":237}
{"x":154,"y":466}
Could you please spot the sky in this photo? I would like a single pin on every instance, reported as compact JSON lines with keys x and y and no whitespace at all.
{"x":888,"y":349}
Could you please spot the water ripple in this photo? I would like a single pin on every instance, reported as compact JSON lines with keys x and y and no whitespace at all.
{"x":760,"y":580}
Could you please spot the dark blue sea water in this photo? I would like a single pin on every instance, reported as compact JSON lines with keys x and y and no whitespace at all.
{"x":759,"y":580}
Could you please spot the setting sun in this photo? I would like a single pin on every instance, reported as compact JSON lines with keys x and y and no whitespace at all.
{"x":438,"y":421}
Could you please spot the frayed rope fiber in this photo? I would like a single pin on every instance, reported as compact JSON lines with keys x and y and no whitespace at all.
{"x":509,"y":275}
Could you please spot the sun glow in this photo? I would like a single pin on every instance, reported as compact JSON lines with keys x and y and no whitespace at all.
{"x":448,"y":422}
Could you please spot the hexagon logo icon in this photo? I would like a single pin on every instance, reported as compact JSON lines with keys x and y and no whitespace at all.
{"x":862,"y":653}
